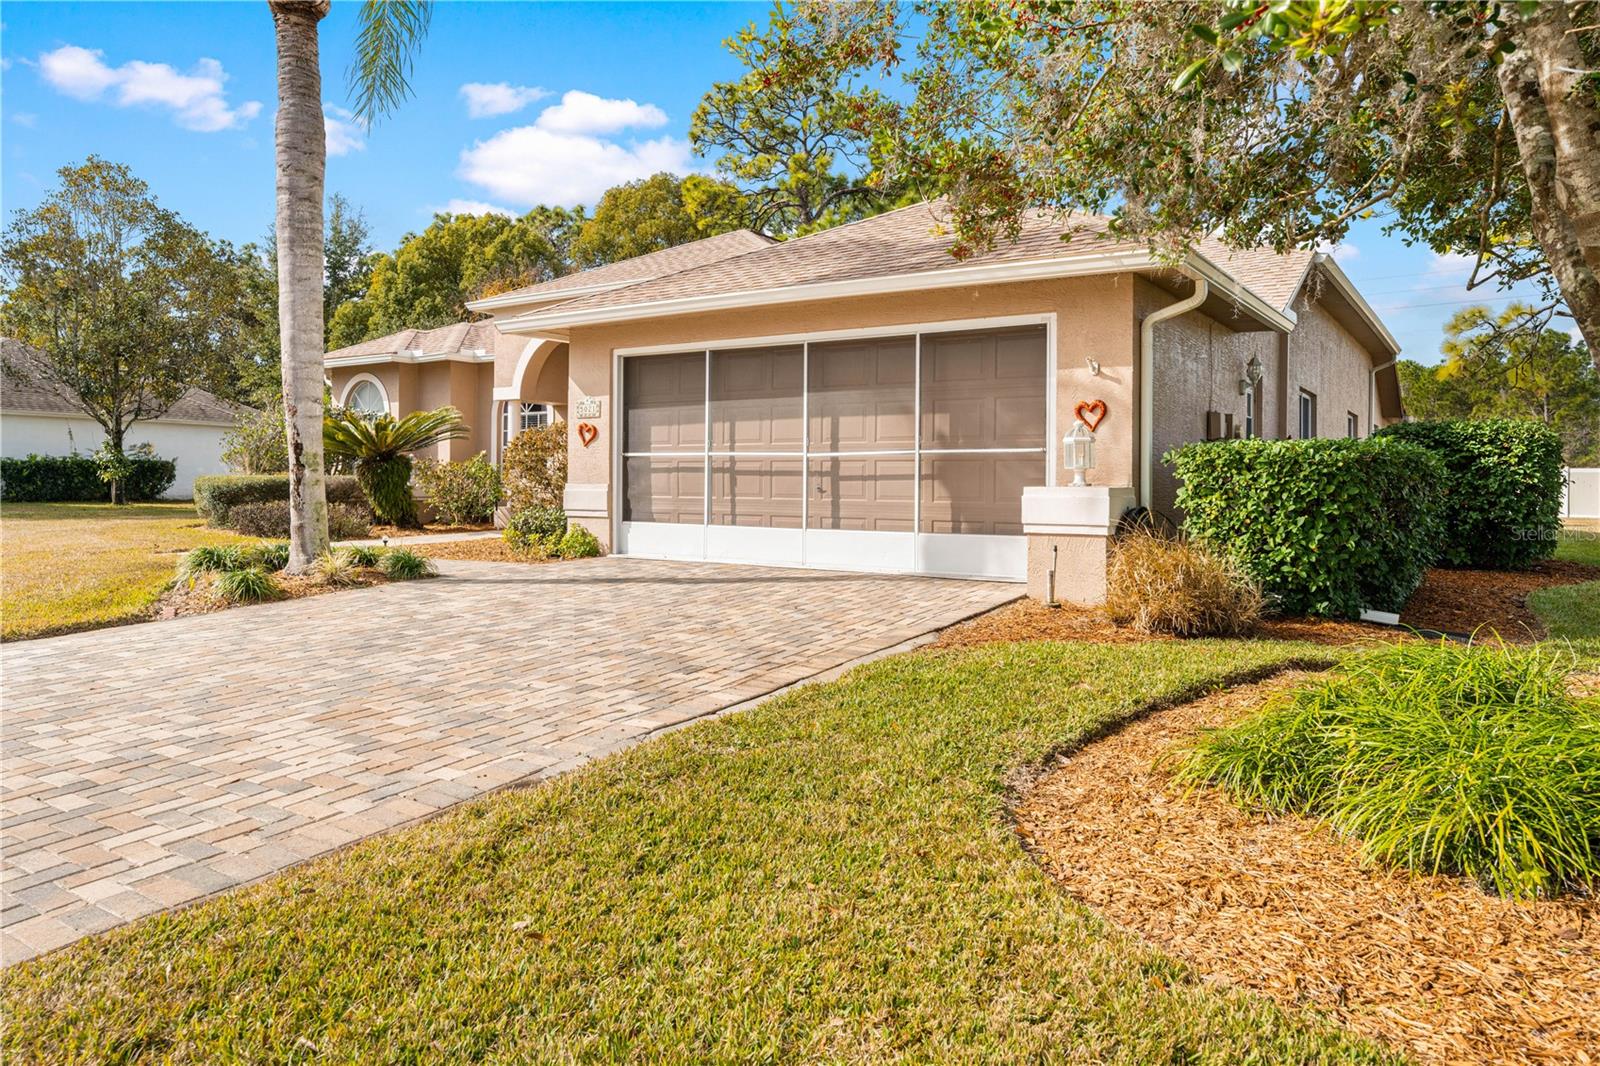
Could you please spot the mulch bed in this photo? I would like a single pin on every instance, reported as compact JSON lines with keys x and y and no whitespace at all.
{"x":1283,"y":906}
{"x":182,"y":599}
{"x":394,"y":532}
{"x":1449,"y":601}
{"x":480,"y":550}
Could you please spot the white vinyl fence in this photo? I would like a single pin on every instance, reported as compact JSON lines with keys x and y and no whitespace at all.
{"x":1581,"y":496}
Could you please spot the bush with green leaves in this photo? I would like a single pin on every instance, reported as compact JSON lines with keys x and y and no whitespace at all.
{"x":403,"y":564}
{"x":76,"y":479}
{"x":1502,"y":488}
{"x":1446,"y":758}
{"x":257,"y":443}
{"x":1326,"y":527}
{"x":250,"y":584}
{"x":380,"y":448}
{"x":215,"y":496}
{"x":578,"y":543}
{"x":534,"y":468}
{"x":535,"y":530}
{"x":271,"y":519}
{"x":461,"y":494}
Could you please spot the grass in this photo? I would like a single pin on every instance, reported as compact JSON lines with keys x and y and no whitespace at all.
{"x":1440,"y":758}
{"x":1572,"y":612}
{"x":70,"y":566}
{"x":1580,"y":546}
{"x":831,"y":876}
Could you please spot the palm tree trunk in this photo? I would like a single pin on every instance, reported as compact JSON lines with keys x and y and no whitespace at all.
{"x":301,"y":161}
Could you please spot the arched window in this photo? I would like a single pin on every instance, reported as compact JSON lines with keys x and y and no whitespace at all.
{"x":366,"y":397}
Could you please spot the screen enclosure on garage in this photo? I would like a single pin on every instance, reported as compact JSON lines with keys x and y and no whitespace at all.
{"x":903,"y":452}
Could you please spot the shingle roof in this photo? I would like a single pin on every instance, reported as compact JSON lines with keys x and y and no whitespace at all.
{"x":653,"y":264}
{"x":917,"y":239}
{"x":27,"y":395}
{"x":443,"y":340}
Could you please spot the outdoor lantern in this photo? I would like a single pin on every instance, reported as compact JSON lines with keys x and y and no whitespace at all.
{"x":1252,"y":375}
{"x":1077,"y":449}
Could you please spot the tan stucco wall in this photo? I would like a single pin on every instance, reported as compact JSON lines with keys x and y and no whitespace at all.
{"x":1326,"y":359}
{"x":1094,"y":318}
{"x":466,"y":386}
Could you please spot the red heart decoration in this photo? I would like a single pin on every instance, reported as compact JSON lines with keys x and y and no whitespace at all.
{"x":1091,"y":413}
{"x":587,"y":433}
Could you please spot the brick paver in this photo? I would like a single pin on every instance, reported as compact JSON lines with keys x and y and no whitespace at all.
{"x":151,"y":765}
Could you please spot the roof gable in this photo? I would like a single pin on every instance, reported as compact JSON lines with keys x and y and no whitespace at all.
{"x":29,"y":396}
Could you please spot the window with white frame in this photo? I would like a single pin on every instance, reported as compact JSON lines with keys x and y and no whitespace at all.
{"x":1308,"y":414}
{"x":1352,"y":426}
{"x":518,"y":418}
{"x":367,"y":397}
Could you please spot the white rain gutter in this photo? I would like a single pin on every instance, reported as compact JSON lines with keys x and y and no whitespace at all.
{"x":1372,"y":394}
{"x":1147,"y":396}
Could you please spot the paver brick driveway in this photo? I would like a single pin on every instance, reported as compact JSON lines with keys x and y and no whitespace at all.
{"x":150,"y":765}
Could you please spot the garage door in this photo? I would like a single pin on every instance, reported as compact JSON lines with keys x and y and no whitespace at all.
{"x":896,"y":453}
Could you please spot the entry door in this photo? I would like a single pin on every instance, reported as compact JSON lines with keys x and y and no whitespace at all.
{"x":898,"y":454}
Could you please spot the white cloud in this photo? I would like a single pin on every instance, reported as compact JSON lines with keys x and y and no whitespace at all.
{"x":531,"y":165}
{"x":477,"y":207}
{"x":1451,"y":266}
{"x":1340,"y":253}
{"x":197,"y":100}
{"x":25,"y":118}
{"x":344,"y":134}
{"x":485,"y":99}
{"x":581,"y":112}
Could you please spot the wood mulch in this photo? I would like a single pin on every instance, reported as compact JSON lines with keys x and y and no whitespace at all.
{"x":395,"y":532}
{"x":1284,"y":906}
{"x":1449,"y":601}
{"x":184,"y":599}
{"x":481,"y":550}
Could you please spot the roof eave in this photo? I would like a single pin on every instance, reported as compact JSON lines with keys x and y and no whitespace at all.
{"x":489,"y":304}
{"x":1353,"y":297}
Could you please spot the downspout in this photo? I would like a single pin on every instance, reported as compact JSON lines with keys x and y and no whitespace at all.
{"x":1147,"y":397}
{"x":1372,"y":395}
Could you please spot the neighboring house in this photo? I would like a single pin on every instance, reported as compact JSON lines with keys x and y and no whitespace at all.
{"x":34,"y":420}
{"x":859,"y":399}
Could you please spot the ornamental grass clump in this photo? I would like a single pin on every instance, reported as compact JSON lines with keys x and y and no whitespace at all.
{"x":1444,"y":759}
{"x":250,"y":584}
{"x":211,"y":559}
{"x":403,"y":564}
{"x":1160,"y":585}
{"x":334,"y":569}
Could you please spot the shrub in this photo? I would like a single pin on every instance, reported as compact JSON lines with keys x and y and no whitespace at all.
{"x":534,"y":468}
{"x":536,"y":530}
{"x":271,"y":519}
{"x":334,"y":568}
{"x":257,"y":443}
{"x":403,"y":564}
{"x":1323,"y":526}
{"x":1161,"y":585}
{"x":578,"y":543}
{"x":461,"y":493}
{"x":76,"y":479}
{"x":1502,"y":488}
{"x":1440,"y":758}
{"x":379,"y":447}
{"x":216,"y":496}
{"x":250,"y":584}
{"x":210,"y":559}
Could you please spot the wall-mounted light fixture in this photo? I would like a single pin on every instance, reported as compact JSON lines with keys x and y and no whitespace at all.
{"x":1077,"y":452}
{"x":1252,"y":375}
{"x":1094,"y":365}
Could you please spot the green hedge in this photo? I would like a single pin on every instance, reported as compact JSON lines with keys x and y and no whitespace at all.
{"x":76,"y":478}
{"x":214,"y":496}
{"x":1326,"y":526}
{"x":1502,"y":489}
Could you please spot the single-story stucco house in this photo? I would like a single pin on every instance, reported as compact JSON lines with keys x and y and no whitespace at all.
{"x":37,"y":420}
{"x":859,"y":399}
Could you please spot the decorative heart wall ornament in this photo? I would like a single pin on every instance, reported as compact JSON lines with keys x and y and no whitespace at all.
{"x":1091,"y":413}
{"x":587,"y":433}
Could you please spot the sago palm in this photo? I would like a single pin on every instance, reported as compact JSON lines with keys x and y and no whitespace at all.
{"x":380,"y":448}
{"x":389,"y":32}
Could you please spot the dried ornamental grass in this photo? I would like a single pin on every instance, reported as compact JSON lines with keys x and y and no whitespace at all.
{"x":1159,"y":585}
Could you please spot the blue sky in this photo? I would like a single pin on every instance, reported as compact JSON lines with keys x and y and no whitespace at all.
{"x":515,"y":104}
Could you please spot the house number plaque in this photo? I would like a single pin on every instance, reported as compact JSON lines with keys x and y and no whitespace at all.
{"x":588,"y":407}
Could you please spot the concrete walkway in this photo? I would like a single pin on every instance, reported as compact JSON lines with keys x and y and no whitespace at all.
{"x":151,"y":765}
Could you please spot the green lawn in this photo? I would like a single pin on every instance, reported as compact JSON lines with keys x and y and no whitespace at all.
{"x":67,"y":566}
{"x":1572,"y":612}
{"x":828,"y":877}
{"x":1580,"y":546}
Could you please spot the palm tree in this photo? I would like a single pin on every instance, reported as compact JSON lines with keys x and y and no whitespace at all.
{"x":389,"y":32}
{"x":379,"y":447}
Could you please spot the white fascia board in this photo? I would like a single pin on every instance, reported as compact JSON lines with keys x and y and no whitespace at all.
{"x":1347,"y":289}
{"x":1226,"y":284}
{"x":514,"y":299}
{"x":409,"y":358}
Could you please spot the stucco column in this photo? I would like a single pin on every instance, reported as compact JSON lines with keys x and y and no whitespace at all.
{"x":1069,"y":530}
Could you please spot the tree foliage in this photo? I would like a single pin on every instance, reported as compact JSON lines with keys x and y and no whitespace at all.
{"x":126,"y":305}
{"x":652,"y":214}
{"x":1470,"y":124}
{"x":1494,"y":370}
